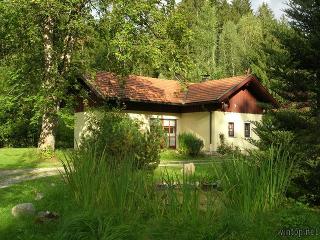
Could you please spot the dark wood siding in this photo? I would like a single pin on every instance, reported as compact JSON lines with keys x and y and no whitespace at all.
{"x":244,"y":102}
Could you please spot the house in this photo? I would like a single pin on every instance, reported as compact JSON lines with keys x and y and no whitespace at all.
{"x":209,"y":108}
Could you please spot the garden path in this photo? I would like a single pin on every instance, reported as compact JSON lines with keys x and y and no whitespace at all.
{"x":10,"y":177}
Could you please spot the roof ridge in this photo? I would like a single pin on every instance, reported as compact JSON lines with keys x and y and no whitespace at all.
{"x":162,"y":79}
{"x":226,"y":78}
{"x":192,"y":83}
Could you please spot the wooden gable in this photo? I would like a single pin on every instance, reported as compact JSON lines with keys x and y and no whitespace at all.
{"x":244,"y":102}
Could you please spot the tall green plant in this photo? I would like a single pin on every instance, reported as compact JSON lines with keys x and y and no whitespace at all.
{"x":113,"y":199}
{"x":97,"y":186}
{"x":258,"y":182}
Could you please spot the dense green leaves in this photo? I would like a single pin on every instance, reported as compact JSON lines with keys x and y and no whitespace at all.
{"x":112,"y":133}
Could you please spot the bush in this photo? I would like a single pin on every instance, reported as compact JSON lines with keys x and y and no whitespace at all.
{"x":190,"y":144}
{"x":65,"y":128}
{"x":116,"y":134}
{"x":225,"y":148}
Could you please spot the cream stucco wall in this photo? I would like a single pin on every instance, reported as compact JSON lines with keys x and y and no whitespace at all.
{"x":196,"y":122}
{"x":220,"y":125}
{"x":79,"y":125}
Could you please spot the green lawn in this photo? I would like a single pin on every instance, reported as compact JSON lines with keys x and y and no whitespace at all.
{"x":55,"y":198}
{"x":174,"y":155}
{"x":203,"y":173}
{"x":175,"y":220}
{"x":13,"y":158}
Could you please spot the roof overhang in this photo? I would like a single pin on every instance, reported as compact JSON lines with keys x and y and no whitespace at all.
{"x":250,"y":82}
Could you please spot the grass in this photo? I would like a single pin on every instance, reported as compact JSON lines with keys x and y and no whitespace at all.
{"x":111,"y":188}
{"x":174,"y":155}
{"x":74,"y":223}
{"x":203,"y":172}
{"x":15,"y":158}
{"x":56,"y":198}
{"x":257,"y":182}
{"x":99,"y":202}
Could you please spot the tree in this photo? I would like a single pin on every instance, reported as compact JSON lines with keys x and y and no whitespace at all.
{"x":202,"y":19}
{"x":274,"y":52}
{"x":304,"y":46}
{"x":229,"y":46}
{"x":231,"y":10}
{"x":294,"y":64}
{"x":143,"y":37}
{"x":265,"y":13}
{"x":48,"y":33}
{"x":240,"y":8}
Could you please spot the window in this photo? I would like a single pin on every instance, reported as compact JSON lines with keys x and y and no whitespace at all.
{"x":170,"y":127}
{"x":231,"y":129}
{"x":247,"y":130}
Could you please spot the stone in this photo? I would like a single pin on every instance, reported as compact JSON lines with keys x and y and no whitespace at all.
{"x":188,"y":169}
{"x":23,"y":209}
{"x":39,"y":196}
{"x":209,"y":186}
{"x":46,"y":216}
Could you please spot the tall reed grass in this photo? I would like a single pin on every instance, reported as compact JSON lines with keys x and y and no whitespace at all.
{"x":258,"y":182}
{"x":128,"y":196}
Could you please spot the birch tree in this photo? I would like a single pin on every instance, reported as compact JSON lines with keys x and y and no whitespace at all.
{"x":204,"y":42}
{"x":53,"y":30}
{"x":229,"y":50}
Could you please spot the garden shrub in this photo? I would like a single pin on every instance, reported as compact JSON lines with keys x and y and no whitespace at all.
{"x":65,"y":128}
{"x":225,"y":148}
{"x":115,"y":134}
{"x":190,"y":144}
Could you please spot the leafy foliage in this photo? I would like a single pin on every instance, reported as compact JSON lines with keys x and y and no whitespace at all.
{"x":294,"y":130}
{"x":164,"y":39}
{"x":115,"y":134}
{"x":190,"y":144}
{"x":225,"y":148}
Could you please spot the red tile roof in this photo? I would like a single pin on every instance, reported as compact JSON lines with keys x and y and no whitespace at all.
{"x":147,"y":89}
{"x":212,"y":89}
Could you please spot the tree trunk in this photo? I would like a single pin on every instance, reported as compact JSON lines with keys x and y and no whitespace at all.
{"x":49,"y":119}
{"x":47,"y":135}
{"x":55,"y":69}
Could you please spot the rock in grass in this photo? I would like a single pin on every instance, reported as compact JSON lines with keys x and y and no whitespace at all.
{"x":46,"y":216}
{"x":188,"y":169}
{"x":39,"y":196}
{"x":23,"y":209}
